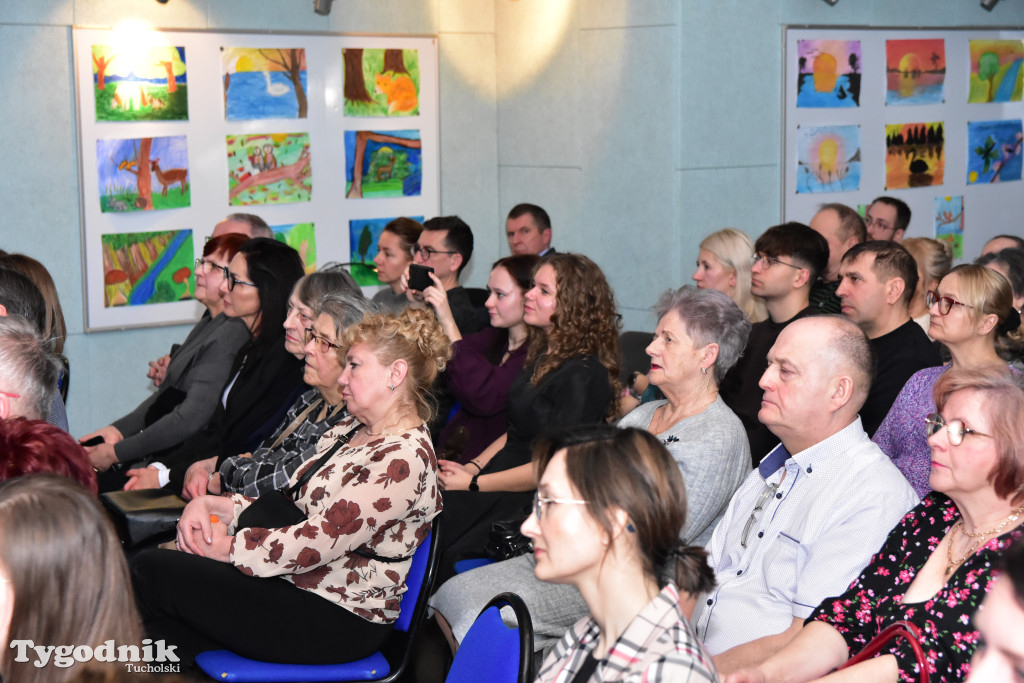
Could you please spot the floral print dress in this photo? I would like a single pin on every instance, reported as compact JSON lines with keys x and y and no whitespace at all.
{"x":875,"y":599}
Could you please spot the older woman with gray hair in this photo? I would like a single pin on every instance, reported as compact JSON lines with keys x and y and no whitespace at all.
{"x":700,"y":335}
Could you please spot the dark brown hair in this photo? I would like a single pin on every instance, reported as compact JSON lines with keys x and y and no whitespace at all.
{"x":407,"y":231}
{"x":891,"y":260}
{"x":56,"y":330}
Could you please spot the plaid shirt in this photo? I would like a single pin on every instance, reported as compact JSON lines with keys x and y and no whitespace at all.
{"x":270,"y":469}
{"x":658,"y":645}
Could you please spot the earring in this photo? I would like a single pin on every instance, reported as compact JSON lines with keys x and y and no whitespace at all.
{"x":391,"y":386}
{"x":703,"y":371}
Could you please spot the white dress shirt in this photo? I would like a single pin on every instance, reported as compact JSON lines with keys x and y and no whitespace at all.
{"x":831,"y":511}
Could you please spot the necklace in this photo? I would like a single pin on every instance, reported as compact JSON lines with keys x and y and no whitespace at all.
{"x":959,"y":527}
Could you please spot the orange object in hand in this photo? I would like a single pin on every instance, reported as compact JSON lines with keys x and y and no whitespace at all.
{"x":214,"y":519}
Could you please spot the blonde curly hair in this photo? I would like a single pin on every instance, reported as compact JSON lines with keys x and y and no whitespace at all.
{"x":415,"y":336}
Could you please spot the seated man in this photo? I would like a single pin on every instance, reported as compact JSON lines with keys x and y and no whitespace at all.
{"x":28,"y":371}
{"x":528,"y":228}
{"x":842,"y":227}
{"x":1000,"y":242}
{"x":887,"y":218}
{"x":787,"y":260}
{"x":806,"y":522}
{"x":878,"y":282}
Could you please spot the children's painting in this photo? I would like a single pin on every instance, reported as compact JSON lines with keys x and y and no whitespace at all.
{"x":993,"y":151}
{"x":829,"y":73}
{"x":828,"y":159}
{"x":143,"y":174}
{"x":140,"y":83}
{"x":996,"y":74}
{"x":915,"y":155}
{"x":272,"y":168}
{"x":147,"y":267}
{"x":301,"y":238}
{"x":949,"y":223}
{"x":381,"y":82}
{"x":915,"y":71}
{"x":363,"y":236}
{"x":383,"y":164}
{"x":262,"y":83}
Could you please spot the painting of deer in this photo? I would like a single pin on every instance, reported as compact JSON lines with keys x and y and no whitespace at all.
{"x":170,"y":176}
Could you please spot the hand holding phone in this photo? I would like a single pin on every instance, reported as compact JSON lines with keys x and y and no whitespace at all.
{"x":419,"y":278}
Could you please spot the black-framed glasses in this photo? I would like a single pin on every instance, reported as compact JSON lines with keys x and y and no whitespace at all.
{"x":762,"y":500}
{"x":880,"y":224}
{"x":769,"y":261}
{"x":233,"y":280}
{"x":209,"y":266}
{"x":322,"y":343}
{"x":426,"y":253}
{"x":539,"y":504}
{"x":956,"y":429}
{"x":945,"y":303}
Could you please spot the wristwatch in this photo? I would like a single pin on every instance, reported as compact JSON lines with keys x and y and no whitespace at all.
{"x":473,"y":486}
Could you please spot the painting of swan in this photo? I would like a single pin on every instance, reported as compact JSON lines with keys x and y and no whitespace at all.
{"x":275,"y":89}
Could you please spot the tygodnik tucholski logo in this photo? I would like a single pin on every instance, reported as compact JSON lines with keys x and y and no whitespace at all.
{"x":152,"y":657}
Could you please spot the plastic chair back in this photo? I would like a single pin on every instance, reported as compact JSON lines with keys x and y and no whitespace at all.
{"x":492,"y":652}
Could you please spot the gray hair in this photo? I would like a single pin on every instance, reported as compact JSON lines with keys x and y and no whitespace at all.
{"x":344,"y":308}
{"x":257,"y":225}
{"x":709,"y":317}
{"x":315,"y":286}
{"x":27,"y":368}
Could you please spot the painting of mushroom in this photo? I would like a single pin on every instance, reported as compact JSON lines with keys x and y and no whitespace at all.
{"x":147,"y":267}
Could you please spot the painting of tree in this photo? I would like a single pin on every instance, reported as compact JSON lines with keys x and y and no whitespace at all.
{"x":269,"y":169}
{"x":383,"y":163}
{"x":140,"y":83}
{"x":128,"y":169}
{"x":262,"y":83}
{"x":392,"y":76}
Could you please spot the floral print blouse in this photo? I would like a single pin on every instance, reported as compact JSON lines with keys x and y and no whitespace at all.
{"x":378,"y":498}
{"x":875,"y":599}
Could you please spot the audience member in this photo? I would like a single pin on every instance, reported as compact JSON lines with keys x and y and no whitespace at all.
{"x":878,"y":280}
{"x":1010,"y":264}
{"x":394,"y":254}
{"x":570,"y":377}
{"x":191,"y":381}
{"x":54,"y":329}
{"x":787,"y":259}
{"x":723,"y":263}
{"x":34,"y":447}
{"x":329,"y":588}
{"x":934,"y":258}
{"x":807,"y":520}
{"x":28,"y":371}
{"x":528,"y":229}
{"x":63,"y":578}
{"x":1000,"y":242}
{"x":486,"y":363}
{"x":1000,"y":621}
{"x":970,"y":310}
{"x":937,"y":564}
{"x":248,"y":224}
{"x":699,"y":336}
{"x":842,"y":228}
{"x":606,"y":519}
{"x":887,"y":219}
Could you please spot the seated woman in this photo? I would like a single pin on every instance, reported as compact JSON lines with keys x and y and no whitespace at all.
{"x":484,"y":364}
{"x":570,"y":377}
{"x":723,"y":263}
{"x":195,"y":376}
{"x":1010,"y":264}
{"x":35,"y":447}
{"x":394,"y":254}
{"x":271,"y":465}
{"x":1000,"y":621}
{"x":606,"y":519}
{"x":936,"y":566}
{"x":934,"y":258}
{"x":970,"y":311}
{"x":63,"y":578}
{"x":341,"y":573}
{"x":700,"y":334}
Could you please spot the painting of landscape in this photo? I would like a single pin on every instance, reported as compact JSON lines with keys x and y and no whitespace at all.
{"x":828,"y":74}
{"x":383,"y":163}
{"x":261,"y":83}
{"x":996,"y":73}
{"x":269,"y":169}
{"x":381,"y":82}
{"x":828,"y":159}
{"x":302,"y":238}
{"x":140,"y":83}
{"x":915,"y":71}
{"x":915,"y":155}
{"x":147,"y":267}
{"x":143,"y":174}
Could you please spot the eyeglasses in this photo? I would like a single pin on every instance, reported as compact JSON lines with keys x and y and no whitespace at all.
{"x":426,"y":253}
{"x":233,"y":280}
{"x":322,"y":343}
{"x":209,"y":266}
{"x":10,"y":395}
{"x":880,"y":224}
{"x":769,"y":261}
{"x":540,"y":503}
{"x":956,"y":429}
{"x":762,"y":500}
{"x":945,"y":303}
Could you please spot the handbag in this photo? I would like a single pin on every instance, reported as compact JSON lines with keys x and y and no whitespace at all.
{"x":900,"y":629}
{"x":143,"y":516}
{"x":505,"y":540}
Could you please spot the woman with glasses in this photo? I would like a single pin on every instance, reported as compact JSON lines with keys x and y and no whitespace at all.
{"x":194,"y":376}
{"x":609,"y":507}
{"x":970,"y":310}
{"x":937,"y":564}
{"x":394,"y":254}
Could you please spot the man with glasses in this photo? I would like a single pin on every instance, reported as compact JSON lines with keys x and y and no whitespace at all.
{"x":842,"y":228}
{"x":887,"y":219}
{"x":446,"y":245}
{"x":787,"y":260}
{"x":807,"y":520}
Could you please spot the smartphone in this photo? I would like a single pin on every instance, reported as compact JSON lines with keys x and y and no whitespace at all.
{"x":94,"y":441}
{"x":418,"y":278}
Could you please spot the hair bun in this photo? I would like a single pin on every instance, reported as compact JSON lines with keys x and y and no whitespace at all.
{"x":1011,"y":323}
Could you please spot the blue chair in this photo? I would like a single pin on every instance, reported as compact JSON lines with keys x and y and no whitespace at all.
{"x":492,"y":652}
{"x":385,"y":665}
{"x":472,"y":563}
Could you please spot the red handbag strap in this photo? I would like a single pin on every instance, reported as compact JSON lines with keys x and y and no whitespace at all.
{"x":900,"y":629}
